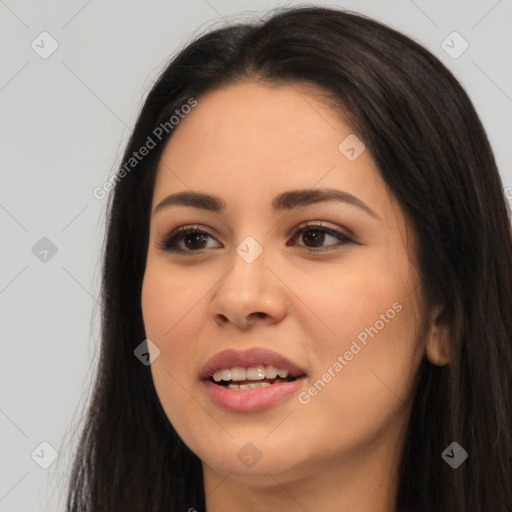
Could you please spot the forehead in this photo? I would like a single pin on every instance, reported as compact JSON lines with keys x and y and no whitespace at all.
{"x":257,"y":136}
{"x":251,"y":114}
{"x":248,"y":144}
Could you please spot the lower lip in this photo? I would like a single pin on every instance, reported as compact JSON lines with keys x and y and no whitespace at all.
{"x":249,"y":400}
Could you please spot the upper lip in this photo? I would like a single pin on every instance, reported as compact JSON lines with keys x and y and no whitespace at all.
{"x":248,"y":358}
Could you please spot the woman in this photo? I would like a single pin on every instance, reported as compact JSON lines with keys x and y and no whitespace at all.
{"x":306,"y":284}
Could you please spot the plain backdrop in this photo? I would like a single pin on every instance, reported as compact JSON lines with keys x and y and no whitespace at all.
{"x":65,"y":117}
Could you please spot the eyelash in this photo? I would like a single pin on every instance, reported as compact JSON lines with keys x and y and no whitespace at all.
{"x":170,"y":242}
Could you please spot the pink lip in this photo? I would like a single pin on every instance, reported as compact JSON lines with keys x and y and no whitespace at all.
{"x":250,"y":399}
{"x":246,"y":359}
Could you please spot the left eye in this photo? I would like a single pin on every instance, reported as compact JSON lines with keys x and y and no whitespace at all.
{"x":316,"y":234}
{"x":194,"y":238}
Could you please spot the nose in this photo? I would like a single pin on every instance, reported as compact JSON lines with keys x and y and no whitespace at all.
{"x":249,"y":293}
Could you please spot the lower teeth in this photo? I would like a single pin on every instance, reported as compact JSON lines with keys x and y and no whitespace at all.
{"x":252,"y":385}
{"x":255,"y":385}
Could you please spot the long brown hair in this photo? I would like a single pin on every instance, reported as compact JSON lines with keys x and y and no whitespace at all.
{"x":433,"y":153}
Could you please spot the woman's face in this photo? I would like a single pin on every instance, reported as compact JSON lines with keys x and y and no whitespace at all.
{"x":336,"y":305}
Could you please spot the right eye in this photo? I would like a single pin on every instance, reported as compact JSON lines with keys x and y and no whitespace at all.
{"x":192,"y":238}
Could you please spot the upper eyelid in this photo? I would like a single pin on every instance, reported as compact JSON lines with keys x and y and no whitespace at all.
{"x":302,"y":225}
{"x":176,"y":235}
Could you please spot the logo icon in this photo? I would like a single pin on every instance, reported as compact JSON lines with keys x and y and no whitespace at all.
{"x":44,"y":455}
{"x":147,"y":352}
{"x":454,"y":45}
{"x":249,"y":249}
{"x":454,"y":455}
{"x":351,"y":147}
{"x":44,"y":250}
{"x":44,"y":45}
{"x":249,"y":455}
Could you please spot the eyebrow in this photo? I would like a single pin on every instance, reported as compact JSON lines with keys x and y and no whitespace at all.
{"x":284,"y":201}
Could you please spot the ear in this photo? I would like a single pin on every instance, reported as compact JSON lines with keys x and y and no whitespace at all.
{"x":438,"y":346}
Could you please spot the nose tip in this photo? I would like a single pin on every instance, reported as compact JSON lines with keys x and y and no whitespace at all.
{"x":248,"y":293}
{"x":237,"y":314}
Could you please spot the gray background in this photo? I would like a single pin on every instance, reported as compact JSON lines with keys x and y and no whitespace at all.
{"x":64,"y":122}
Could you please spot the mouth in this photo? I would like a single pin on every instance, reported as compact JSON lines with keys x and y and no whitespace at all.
{"x":251,"y":380}
{"x":254,"y":377}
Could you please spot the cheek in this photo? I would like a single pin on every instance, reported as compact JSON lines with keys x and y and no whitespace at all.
{"x":168,"y":301}
{"x":365,"y":366}
{"x":169,"y":307}
{"x":365,"y":386}
{"x":341,"y":300}
{"x":173,"y":310}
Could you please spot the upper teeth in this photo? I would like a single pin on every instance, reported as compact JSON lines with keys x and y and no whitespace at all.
{"x":259,"y":372}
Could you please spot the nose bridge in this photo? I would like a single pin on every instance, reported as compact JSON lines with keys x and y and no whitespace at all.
{"x":248,"y":269}
{"x":248,"y":287}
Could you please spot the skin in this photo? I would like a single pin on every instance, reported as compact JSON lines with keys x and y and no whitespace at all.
{"x":340,"y":452}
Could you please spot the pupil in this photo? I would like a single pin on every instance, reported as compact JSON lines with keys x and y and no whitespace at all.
{"x":194,"y":237}
{"x":317,"y":238}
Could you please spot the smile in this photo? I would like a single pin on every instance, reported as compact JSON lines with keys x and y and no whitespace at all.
{"x":247,"y":377}
{"x":250,"y":380}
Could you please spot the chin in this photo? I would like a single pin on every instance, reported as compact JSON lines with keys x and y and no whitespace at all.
{"x":253,"y":456}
